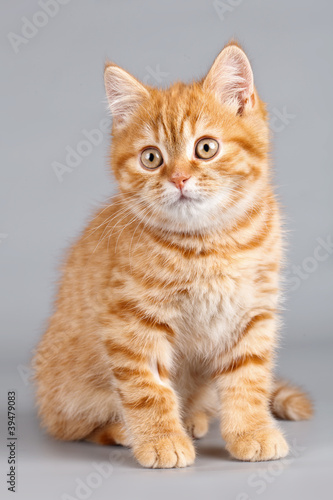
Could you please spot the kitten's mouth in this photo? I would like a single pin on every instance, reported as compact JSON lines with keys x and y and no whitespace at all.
{"x":183,"y":199}
{"x":186,"y":199}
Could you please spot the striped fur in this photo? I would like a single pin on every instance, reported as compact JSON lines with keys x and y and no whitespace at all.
{"x":167,"y":312}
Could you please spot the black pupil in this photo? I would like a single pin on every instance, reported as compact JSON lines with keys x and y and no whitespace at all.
{"x":151,"y":156}
{"x":206,"y":147}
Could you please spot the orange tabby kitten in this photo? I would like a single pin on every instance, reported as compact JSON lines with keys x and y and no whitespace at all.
{"x":167,"y":312}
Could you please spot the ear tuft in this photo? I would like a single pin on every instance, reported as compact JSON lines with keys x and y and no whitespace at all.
{"x":231,"y":78}
{"x":124,"y":92}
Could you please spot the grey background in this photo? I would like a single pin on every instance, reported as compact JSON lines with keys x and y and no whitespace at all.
{"x":51,"y":90}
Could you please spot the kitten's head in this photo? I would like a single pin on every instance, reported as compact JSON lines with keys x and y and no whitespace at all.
{"x":192,"y":157}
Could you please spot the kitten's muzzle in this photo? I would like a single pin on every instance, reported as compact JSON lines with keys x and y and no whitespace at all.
{"x":179,"y":179}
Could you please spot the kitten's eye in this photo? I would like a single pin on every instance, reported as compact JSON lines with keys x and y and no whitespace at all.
{"x":151,"y":158}
{"x":206,"y":148}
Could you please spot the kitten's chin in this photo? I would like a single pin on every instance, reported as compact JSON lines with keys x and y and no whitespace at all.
{"x":190,"y":215}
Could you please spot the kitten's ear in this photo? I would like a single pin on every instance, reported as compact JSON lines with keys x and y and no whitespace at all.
{"x":231,"y":79}
{"x":124,"y":92}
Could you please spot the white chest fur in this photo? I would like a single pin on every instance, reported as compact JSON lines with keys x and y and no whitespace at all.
{"x":210,"y":315}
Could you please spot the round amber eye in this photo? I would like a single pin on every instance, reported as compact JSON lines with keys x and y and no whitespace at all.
{"x":206,"y":148}
{"x":151,"y":158}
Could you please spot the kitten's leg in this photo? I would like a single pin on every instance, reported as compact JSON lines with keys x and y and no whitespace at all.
{"x":150,"y":406}
{"x":197,"y":424}
{"x":199,"y":408}
{"x":112,"y":433}
{"x":245,"y":384}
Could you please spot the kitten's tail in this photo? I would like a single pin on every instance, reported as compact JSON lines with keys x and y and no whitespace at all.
{"x":289,"y":402}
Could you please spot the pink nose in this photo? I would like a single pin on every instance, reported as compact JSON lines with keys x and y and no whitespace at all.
{"x":179,"y":179}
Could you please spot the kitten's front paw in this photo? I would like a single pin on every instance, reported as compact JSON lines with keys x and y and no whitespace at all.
{"x":265,"y":444}
{"x":176,"y":450}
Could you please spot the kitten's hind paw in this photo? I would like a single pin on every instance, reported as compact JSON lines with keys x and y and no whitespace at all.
{"x":197,"y":425}
{"x":113,"y":433}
